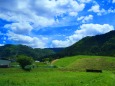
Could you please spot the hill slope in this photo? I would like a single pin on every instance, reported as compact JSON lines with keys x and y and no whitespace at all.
{"x":10,"y":51}
{"x":56,"y":50}
{"x":96,"y":45}
{"x":86,"y":62}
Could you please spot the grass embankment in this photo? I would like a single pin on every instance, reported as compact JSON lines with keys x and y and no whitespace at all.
{"x":87,"y":62}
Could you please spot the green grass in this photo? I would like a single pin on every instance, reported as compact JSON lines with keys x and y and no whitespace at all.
{"x":55,"y":77}
{"x":64,"y":62}
{"x":87,"y":62}
{"x":66,"y":75}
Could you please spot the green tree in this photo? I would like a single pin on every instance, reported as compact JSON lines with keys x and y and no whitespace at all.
{"x":25,"y":62}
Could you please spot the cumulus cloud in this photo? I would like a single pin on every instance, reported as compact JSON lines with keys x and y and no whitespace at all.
{"x":1,"y":44}
{"x":34,"y":42}
{"x":40,"y":12}
{"x":60,"y":43}
{"x":27,"y":15}
{"x":85,"y":30}
{"x":111,"y":11}
{"x":20,"y":28}
{"x":85,"y":19}
{"x":85,"y":1}
{"x":96,"y":9}
{"x":113,"y":1}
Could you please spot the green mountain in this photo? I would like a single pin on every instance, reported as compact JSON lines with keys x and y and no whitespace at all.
{"x":56,"y":50}
{"x":10,"y":51}
{"x":103,"y":45}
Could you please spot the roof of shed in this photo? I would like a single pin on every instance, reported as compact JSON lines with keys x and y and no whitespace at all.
{"x":5,"y":62}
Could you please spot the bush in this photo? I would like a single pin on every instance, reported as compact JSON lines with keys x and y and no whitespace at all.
{"x":28,"y":68}
{"x":25,"y":62}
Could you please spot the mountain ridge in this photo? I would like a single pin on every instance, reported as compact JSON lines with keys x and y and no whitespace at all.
{"x":99,"y":45}
{"x":103,"y":45}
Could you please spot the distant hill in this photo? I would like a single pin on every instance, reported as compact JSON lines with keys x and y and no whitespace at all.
{"x":86,"y":62}
{"x":10,"y":51}
{"x":103,"y":45}
{"x":55,"y":49}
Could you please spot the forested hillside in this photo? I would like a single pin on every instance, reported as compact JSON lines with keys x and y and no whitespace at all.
{"x":103,"y":45}
{"x":10,"y":51}
{"x":56,"y":49}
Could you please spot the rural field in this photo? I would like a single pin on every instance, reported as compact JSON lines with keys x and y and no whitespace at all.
{"x":68,"y":72}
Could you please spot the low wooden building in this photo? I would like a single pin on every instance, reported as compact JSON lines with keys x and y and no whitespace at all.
{"x":4,"y":63}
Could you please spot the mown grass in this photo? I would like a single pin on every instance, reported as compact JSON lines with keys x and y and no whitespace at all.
{"x":55,"y":77}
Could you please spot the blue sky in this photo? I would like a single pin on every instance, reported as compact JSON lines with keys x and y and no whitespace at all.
{"x":54,"y":23}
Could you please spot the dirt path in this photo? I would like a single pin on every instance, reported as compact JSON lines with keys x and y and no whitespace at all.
{"x":54,"y":61}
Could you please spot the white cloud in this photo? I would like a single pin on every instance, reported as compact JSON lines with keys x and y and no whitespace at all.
{"x":85,"y":30}
{"x":85,"y":19}
{"x":111,"y":11}
{"x":96,"y":9}
{"x":93,"y":29}
{"x":60,"y":43}
{"x":1,"y":44}
{"x":40,"y":13}
{"x":26,"y":15}
{"x":73,"y":13}
{"x":20,"y":28}
{"x":113,"y":1}
{"x":80,"y":18}
{"x":34,"y":42}
{"x":85,"y":1}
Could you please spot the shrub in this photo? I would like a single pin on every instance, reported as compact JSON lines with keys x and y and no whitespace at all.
{"x":28,"y":67}
{"x":25,"y":62}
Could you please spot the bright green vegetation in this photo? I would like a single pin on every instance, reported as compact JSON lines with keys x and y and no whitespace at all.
{"x":25,"y":62}
{"x":87,"y":62}
{"x":67,"y":73}
{"x":54,"y":77}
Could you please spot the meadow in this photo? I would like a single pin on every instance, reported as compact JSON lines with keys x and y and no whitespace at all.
{"x":63,"y":75}
{"x":81,"y":63}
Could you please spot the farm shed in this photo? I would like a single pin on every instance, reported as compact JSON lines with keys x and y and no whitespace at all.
{"x":4,"y":63}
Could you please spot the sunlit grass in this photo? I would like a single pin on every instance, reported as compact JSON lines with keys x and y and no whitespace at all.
{"x":54,"y":77}
{"x":67,"y":73}
{"x":87,"y":62}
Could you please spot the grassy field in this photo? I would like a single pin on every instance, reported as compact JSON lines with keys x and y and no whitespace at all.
{"x":54,"y":77}
{"x":87,"y":62}
{"x":59,"y":76}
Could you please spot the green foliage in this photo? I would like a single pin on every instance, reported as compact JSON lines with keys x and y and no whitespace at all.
{"x":28,"y":67}
{"x":25,"y":62}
